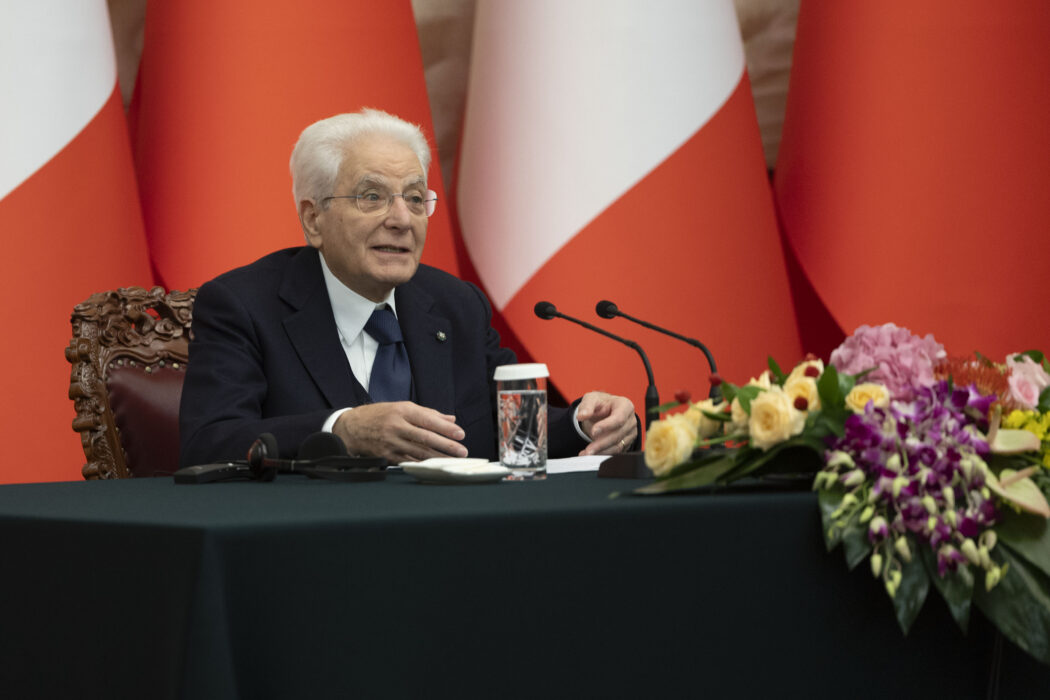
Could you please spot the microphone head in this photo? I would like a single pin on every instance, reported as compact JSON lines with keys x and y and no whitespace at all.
{"x":262,"y":457}
{"x":545,"y":310}
{"x":606,"y":309}
{"x":320,"y":445}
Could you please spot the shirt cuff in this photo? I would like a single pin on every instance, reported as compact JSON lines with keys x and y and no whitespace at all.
{"x":330,"y":422}
{"x":576,"y":424}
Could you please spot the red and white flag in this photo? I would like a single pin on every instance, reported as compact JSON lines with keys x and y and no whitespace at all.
{"x":223,"y":91}
{"x":69,"y":212}
{"x":611,"y":151}
{"x":912,"y":174}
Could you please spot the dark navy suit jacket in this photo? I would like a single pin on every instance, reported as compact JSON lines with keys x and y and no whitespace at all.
{"x":266,"y":357}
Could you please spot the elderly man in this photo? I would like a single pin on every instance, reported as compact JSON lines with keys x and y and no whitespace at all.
{"x":351,"y":334}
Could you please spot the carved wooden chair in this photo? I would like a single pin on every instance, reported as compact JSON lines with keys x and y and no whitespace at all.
{"x":129,"y":353}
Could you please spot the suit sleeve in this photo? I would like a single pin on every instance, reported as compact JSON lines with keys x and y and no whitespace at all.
{"x":221,"y":411}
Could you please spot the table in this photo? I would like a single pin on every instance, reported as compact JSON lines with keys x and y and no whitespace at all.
{"x":315,"y":589}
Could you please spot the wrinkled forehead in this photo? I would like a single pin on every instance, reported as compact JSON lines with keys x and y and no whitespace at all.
{"x":381,"y":161}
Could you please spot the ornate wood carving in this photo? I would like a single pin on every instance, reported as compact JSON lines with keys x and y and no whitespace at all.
{"x":110,"y":329}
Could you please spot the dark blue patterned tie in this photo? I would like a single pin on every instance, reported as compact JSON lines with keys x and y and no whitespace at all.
{"x":391,"y":378}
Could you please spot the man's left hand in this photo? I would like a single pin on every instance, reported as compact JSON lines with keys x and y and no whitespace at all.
{"x":609,"y":421}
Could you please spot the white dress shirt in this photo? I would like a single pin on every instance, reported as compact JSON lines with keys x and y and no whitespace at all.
{"x":351,"y":312}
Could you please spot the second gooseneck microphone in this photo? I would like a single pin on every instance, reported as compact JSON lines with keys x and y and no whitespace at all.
{"x":547,"y":311}
{"x":607,"y":309}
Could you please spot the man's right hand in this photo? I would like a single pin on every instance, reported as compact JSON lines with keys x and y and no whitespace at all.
{"x":400,"y":431}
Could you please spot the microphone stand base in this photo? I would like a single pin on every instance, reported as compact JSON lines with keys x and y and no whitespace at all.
{"x":628,"y":465}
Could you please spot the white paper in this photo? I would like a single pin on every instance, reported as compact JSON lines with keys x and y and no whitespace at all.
{"x":575,"y":464}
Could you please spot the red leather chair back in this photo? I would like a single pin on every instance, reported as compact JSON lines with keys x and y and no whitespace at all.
{"x":129,"y":353}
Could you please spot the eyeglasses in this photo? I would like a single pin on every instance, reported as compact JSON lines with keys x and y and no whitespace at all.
{"x":378,"y":202}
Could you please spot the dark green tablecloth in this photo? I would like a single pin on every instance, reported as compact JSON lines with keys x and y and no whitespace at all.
{"x":314,"y":589}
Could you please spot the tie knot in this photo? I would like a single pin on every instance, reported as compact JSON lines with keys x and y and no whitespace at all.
{"x":382,"y":325}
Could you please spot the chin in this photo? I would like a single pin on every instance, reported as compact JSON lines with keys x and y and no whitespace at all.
{"x":398,"y":276}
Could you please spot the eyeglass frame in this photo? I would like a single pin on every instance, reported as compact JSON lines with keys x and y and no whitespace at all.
{"x":429,"y":204}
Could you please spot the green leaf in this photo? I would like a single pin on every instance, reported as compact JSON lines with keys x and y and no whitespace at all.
{"x":1044,"y":400}
{"x":846,"y":384}
{"x":728,"y":391}
{"x":915,"y":584}
{"x":955,"y":588}
{"x":828,"y":388}
{"x":701,"y":458}
{"x":664,"y":408}
{"x":697,"y":478}
{"x":749,"y":459}
{"x":1036,"y":355}
{"x":778,"y":374}
{"x":814,"y":442}
{"x":861,"y":376}
{"x":855,"y":544}
{"x":746,"y":394}
{"x":832,"y":388}
{"x":830,"y":421}
{"x":829,"y":501}
{"x":717,"y":415}
{"x":1020,"y":605}
{"x":1028,"y":536}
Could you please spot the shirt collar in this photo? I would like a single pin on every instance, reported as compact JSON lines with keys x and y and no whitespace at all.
{"x":350,"y":309}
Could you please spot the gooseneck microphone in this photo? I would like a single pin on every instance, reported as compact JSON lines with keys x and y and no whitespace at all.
{"x":607,"y":309}
{"x":547,"y":311}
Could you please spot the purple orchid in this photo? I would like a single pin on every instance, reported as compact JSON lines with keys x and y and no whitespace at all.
{"x":919,"y":455}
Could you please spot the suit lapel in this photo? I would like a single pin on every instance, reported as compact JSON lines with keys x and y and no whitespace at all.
{"x":429,"y":342}
{"x":312,"y":331}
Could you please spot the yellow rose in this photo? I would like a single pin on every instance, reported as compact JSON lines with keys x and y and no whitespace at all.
{"x":802,"y":368}
{"x":763,"y":381}
{"x":801,"y":386}
{"x":738,"y":425}
{"x":738,"y":419}
{"x":705,"y":427}
{"x":669,"y":443}
{"x":859,"y":396}
{"x":774,"y":419}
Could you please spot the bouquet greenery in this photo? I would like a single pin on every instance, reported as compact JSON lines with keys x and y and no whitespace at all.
{"x":936,"y":470}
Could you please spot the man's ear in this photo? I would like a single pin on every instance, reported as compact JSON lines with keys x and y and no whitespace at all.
{"x":308,"y":213}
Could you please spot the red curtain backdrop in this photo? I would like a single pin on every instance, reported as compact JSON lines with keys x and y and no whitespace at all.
{"x":71,"y":222}
{"x":915,"y":157}
{"x":225,"y":88}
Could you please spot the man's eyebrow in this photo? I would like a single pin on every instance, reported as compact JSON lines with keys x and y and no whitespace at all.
{"x":418,"y":180}
{"x":380,"y":181}
{"x":372,"y":181}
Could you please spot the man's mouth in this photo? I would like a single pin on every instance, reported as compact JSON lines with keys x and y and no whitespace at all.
{"x":389,"y":249}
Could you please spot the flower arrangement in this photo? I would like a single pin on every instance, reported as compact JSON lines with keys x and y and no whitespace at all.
{"x":934,"y":469}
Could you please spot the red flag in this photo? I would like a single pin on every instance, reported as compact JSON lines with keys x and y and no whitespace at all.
{"x":914,"y":160}
{"x":224,"y":89}
{"x":614,"y":154}
{"x":69,"y":209}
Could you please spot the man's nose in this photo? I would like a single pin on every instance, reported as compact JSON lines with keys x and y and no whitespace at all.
{"x":399,"y":215}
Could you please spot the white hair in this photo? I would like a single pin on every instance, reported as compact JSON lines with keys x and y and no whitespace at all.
{"x":319,"y":152}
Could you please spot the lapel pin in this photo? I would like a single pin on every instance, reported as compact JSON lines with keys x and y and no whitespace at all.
{"x":440,"y":335}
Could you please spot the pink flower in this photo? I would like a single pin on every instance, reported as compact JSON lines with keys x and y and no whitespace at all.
{"x":900,"y":359}
{"x":1027,"y":380}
